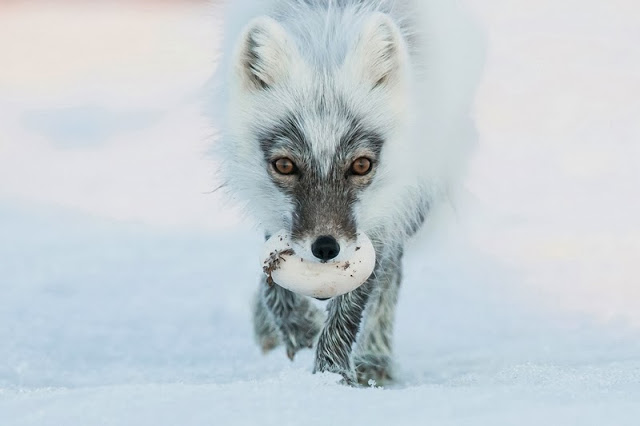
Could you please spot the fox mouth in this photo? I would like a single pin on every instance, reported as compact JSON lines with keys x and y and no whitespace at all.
{"x":297,"y":266}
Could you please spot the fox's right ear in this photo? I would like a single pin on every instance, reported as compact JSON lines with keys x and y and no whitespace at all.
{"x":379,"y":53}
{"x":265,"y":54}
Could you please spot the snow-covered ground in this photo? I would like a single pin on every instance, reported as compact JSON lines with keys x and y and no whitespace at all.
{"x":124,"y":284}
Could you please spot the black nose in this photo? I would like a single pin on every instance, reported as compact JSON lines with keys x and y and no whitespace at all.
{"x":325,"y":248}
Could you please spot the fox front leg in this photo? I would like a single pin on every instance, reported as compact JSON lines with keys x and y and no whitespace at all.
{"x":333,"y":353}
{"x":296,"y":319}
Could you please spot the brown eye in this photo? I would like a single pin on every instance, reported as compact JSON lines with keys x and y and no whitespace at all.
{"x":284,"y":166}
{"x":361,"y":166}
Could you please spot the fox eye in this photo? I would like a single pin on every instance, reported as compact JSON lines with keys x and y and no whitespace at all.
{"x":361,"y":167}
{"x":285,"y":166}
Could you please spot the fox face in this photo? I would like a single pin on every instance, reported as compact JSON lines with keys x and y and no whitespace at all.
{"x":324,"y":188}
{"x":309,"y":135}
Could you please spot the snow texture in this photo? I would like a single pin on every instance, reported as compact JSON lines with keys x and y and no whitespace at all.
{"x":125,"y":286}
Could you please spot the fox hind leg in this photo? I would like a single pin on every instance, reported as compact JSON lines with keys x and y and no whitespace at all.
{"x":264,"y":327}
{"x":373,"y":358}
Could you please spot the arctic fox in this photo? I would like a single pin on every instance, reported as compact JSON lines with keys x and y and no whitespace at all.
{"x":339,"y":117}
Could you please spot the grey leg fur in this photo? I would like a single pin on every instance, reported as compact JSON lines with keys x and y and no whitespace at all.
{"x":264,"y":327}
{"x":281,"y":316}
{"x":339,"y":334}
{"x":376,"y":301}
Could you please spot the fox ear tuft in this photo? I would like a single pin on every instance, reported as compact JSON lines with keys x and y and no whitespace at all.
{"x":265,"y":54}
{"x":379,"y":51}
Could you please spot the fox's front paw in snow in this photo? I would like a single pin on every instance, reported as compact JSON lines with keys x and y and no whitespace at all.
{"x":331,"y":359}
{"x":326,"y":365}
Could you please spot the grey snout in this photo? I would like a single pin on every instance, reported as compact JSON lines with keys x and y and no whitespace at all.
{"x":325,"y":248}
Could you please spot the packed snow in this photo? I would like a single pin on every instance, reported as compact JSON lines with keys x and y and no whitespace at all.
{"x":125,"y":280}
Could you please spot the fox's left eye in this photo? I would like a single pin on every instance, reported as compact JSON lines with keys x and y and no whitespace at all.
{"x":361,"y":167}
{"x":285,"y":166}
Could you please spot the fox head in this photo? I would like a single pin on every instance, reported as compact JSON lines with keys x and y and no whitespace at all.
{"x":309,"y":130}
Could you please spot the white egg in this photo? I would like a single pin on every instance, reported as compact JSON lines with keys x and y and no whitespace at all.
{"x":290,"y":266}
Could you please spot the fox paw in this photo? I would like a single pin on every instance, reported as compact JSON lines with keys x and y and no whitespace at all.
{"x":376,"y":368}
{"x":268,"y":343}
{"x":348,"y":374}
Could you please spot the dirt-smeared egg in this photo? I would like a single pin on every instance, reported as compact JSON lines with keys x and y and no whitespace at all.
{"x":290,"y":266}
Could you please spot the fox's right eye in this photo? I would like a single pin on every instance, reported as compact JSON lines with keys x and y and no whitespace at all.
{"x":285,"y":166}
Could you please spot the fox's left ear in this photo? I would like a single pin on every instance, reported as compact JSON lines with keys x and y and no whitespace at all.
{"x":379,"y":53}
{"x":265,"y":55}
